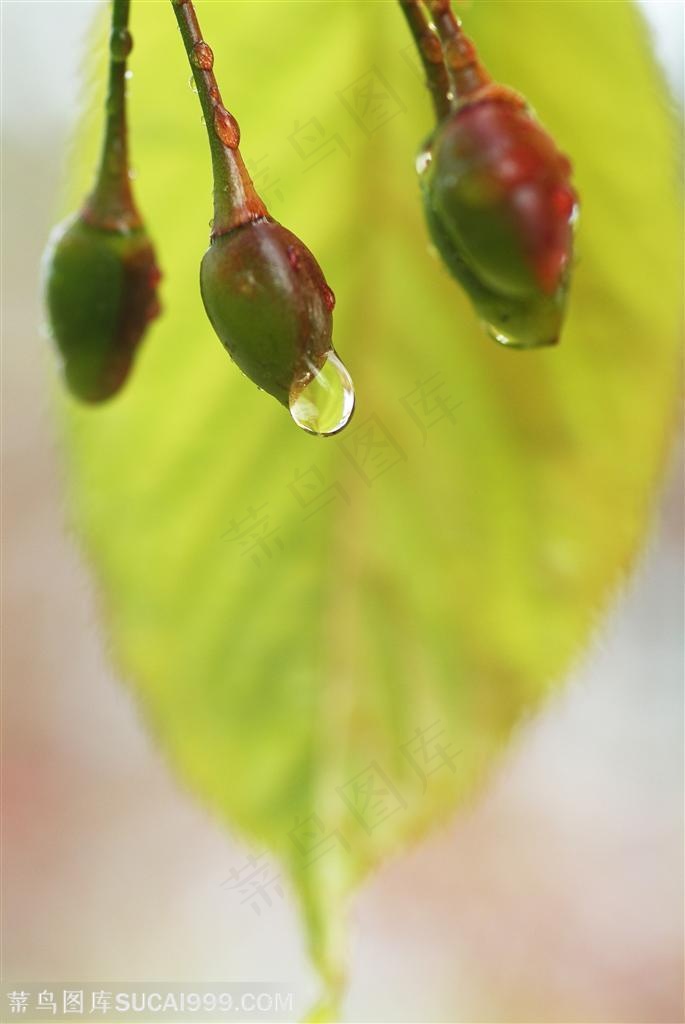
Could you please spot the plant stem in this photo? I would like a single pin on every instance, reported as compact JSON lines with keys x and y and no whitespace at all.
{"x":111,"y":205}
{"x":432,"y":58}
{"x":235,"y":198}
{"x":467,"y":75}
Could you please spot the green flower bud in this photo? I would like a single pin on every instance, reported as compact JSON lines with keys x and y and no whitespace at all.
{"x":101,"y":294}
{"x":268,"y":301}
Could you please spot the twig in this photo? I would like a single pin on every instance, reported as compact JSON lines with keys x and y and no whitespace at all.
{"x":235,"y":198}
{"x":110,"y":204}
{"x":467,"y":75}
{"x":430,"y":51}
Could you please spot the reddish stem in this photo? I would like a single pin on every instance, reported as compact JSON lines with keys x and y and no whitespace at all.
{"x":235,"y":199}
{"x":467,"y":75}
{"x":430,"y":51}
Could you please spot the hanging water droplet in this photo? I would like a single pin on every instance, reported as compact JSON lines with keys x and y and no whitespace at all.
{"x":226,"y":127}
{"x":202,"y":56}
{"x":423,"y":161}
{"x":329,"y":298}
{"x":497,"y":335}
{"x":325,"y":403}
{"x":120,"y":44}
{"x":128,"y":74}
{"x":191,"y":83}
{"x":512,"y":341}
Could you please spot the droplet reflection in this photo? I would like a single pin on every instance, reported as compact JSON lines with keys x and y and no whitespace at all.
{"x":423,"y":161}
{"x":326,"y":402}
{"x":513,"y":341}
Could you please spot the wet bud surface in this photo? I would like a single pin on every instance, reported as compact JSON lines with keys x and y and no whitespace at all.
{"x":269,"y":303}
{"x":501,"y":210}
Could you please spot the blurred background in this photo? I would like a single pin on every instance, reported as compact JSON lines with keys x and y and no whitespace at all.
{"x":558,"y":896}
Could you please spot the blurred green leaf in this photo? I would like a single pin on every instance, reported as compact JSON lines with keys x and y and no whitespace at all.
{"x":423,"y":573}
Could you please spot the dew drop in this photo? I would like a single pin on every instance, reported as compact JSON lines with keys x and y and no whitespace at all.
{"x":120,"y":44}
{"x":460,"y":52}
{"x":423,"y":161}
{"x":191,"y":83}
{"x":497,"y":335}
{"x":328,"y":298}
{"x":431,"y":47}
{"x":226,"y":127}
{"x":128,"y":74}
{"x":326,"y":402}
{"x":202,"y":56}
{"x":293,"y":257}
{"x":512,"y":341}
{"x":563,"y":201}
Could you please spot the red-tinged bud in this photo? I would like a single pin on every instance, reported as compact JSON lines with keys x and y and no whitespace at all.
{"x":268,"y":301}
{"x":497,"y":193}
{"x":502,"y":211}
{"x":264,"y":292}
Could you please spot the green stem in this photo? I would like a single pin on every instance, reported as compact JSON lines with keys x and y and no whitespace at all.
{"x":235,"y":198}
{"x":430,"y":52}
{"x":467,"y":75}
{"x":111,"y":205}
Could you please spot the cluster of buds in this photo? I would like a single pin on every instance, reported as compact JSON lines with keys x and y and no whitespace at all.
{"x":497,"y":197}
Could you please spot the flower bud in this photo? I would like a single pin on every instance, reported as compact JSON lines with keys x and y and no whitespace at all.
{"x":269,"y":303}
{"x":101,"y":293}
{"x":501,"y":211}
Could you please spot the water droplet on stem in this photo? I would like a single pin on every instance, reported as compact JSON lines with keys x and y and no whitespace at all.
{"x":120,"y":44}
{"x":202,"y":56}
{"x":431,"y":47}
{"x":325,"y":403}
{"x":226,"y":127}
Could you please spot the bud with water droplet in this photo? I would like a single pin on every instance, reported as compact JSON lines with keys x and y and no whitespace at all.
{"x":263,"y":290}
{"x":269,"y":303}
{"x":498,"y":199}
{"x":501,"y":210}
